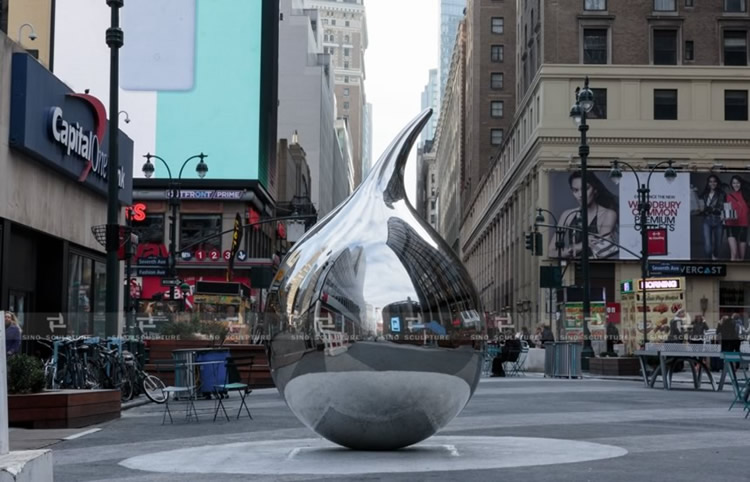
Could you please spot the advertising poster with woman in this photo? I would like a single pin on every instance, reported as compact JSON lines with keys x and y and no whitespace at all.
{"x":603,"y":205}
{"x":720,"y":216}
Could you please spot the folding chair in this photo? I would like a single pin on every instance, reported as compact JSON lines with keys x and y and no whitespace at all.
{"x":740,"y":386}
{"x":234,"y":382}
{"x":181,"y":372}
{"x":517,"y":366}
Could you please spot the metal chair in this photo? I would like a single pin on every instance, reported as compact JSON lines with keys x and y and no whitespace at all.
{"x":183,"y":373}
{"x":235,"y":383}
{"x":517,"y":367}
{"x":740,"y":387}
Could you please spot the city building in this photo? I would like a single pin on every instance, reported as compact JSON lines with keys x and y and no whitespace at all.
{"x":30,"y":23}
{"x":449,"y":146}
{"x":451,"y":13}
{"x":670,"y":82}
{"x":53,"y":199}
{"x":430,"y":100}
{"x":295,"y":187}
{"x":307,"y":102}
{"x":490,"y":93}
{"x":344,"y":27}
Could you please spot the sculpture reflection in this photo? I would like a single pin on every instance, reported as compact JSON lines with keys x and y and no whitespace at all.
{"x":375,"y":325}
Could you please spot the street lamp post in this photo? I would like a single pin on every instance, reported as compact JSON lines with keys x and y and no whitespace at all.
{"x":174,"y":201}
{"x":114,"y":38}
{"x":583,"y":105}
{"x":644,"y":206}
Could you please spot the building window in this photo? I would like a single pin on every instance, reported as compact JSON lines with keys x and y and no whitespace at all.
{"x":346,"y":64}
{"x":689,"y":50}
{"x":150,"y":230}
{"x":194,"y":228}
{"x":496,"y":53}
{"x":665,"y":104}
{"x":496,"y":80}
{"x":689,"y":3}
{"x":346,"y":105}
{"x":735,"y":5}
{"x":497,"y":24}
{"x":599,"y":111}
{"x":735,"y":47}
{"x":346,"y":38}
{"x":346,"y":24}
{"x":665,"y":47}
{"x":346,"y":79}
{"x":664,"y":6}
{"x":497,"y":108}
{"x":346,"y":52}
{"x":333,"y":21}
{"x":735,"y":105}
{"x":496,"y":137}
{"x":594,"y":4}
{"x":346,"y":90}
{"x":595,"y":46}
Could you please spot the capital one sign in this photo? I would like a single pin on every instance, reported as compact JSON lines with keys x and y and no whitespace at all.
{"x":63,"y":130}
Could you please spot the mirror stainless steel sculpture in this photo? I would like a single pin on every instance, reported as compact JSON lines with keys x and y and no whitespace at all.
{"x":376,"y":328}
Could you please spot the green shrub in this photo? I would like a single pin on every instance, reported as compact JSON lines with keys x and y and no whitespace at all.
{"x":184,"y":330}
{"x":25,"y":374}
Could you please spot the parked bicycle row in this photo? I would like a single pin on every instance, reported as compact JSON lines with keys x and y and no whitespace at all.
{"x":97,"y":363}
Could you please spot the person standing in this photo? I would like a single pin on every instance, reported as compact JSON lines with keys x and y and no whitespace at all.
{"x":676,"y":328}
{"x":713,"y":198}
{"x":739,"y":219}
{"x":728,"y":336}
{"x":698,"y":329}
{"x":12,"y":334}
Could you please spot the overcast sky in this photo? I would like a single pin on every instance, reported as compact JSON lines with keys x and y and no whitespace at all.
{"x":403,"y":47}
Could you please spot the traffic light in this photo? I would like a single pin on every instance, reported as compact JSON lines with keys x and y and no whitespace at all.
{"x":530,"y":241}
{"x":538,"y":241}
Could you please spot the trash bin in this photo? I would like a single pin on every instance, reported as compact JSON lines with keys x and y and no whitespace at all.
{"x":562,"y":359}
{"x":213,"y":373}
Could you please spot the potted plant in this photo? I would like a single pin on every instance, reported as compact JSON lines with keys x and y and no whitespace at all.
{"x":25,"y":374}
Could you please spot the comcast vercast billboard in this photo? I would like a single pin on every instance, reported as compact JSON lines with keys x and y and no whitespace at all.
{"x":705,"y":215}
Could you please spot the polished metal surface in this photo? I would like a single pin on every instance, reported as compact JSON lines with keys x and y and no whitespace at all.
{"x":376,"y":328}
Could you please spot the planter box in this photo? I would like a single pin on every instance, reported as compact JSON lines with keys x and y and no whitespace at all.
{"x":620,"y":366}
{"x":162,"y":350}
{"x":63,"y":408}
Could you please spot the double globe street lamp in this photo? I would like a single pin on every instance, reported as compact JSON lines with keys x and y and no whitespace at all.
{"x":583,"y":104}
{"x":174,"y":200}
{"x":644,"y":206}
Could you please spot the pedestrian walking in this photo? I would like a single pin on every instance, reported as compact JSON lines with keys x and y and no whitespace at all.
{"x":12,"y":334}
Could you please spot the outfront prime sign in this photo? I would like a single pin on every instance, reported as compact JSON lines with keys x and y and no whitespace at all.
{"x":64,"y":130}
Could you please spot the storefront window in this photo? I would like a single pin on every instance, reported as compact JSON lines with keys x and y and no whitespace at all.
{"x":86,"y":296}
{"x":100,"y":290}
{"x":79,"y":295}
{"x":194,"y":228}
{"x":151,"y":229}
{"x":734,"y":297}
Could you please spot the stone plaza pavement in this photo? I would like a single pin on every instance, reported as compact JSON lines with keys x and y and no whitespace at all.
{"x":527,"y":428}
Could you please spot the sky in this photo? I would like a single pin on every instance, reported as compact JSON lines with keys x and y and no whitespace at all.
{"x":403,"y":46}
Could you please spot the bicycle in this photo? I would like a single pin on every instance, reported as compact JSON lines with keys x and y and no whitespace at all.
{"x":142,"y":382}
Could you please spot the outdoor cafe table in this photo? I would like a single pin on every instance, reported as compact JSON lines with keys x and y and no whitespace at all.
{"x":669,"y":353}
